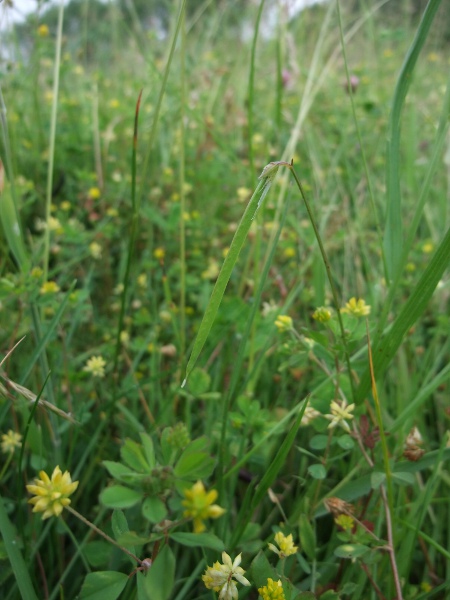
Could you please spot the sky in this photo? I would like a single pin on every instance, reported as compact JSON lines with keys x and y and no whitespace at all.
{"x":23,"y":7}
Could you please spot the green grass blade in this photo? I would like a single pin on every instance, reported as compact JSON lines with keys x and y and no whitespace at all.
{"x":42,"y":341}
{"x":393,"y":244}
{"x":11,"y":225}
{"x":231,"y":258}
{"x":15,"y":557}
{"x":278,"y":461}
{"x":413,"y":308}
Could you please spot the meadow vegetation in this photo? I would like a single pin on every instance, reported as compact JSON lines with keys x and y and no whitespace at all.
{"x":222,"y":377}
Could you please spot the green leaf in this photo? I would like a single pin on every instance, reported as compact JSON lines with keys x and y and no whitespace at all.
{"x":317,"y":471}
{"x":307,"y":537}
{"x":279,"y":460}
{"x":19,"y":567}
{"x":11,"y":225}
{"x":385,"y":349}
{"x":118,"y":470}
{"x":195,"y":462}
{"x":149,"y":450}
{"x":403,"y":478}
{"x":154,"y":510}
{"x":118,"y":496}
{"x":133,"y":455}
{"x":198,"y":540}
{"x":351,"y":551}
{"x":120,"y":527}
{"x":376,"y":479}
{"x":157,"y":583}
{"x":346,"y":442}
{"x":103,"y":584}
{"x":318,"y":442}
{"x":393,"y":232}
{"x":261,"y":570}
{"x":199,"y":382}
{"x":97,"y":553}
{"x":226,"y":270}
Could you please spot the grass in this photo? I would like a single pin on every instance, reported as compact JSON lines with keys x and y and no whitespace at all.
{"x":179,"y":336}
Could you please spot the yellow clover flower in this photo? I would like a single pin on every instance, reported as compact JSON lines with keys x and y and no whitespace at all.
{"x":322,"y":314}
{"x":220,"y":577}
{"x":11,"y":441}
{"x":357,"y":308}
{"x":52,"y":495}
{"x":283,"y":323}
{"x":96,"y":366}
{"x":285,"y":544}
{"x":340,"y":414}
{"x":272,"y":591}
{"x":199,"y":506}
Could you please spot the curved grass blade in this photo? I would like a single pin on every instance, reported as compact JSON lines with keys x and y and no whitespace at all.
{"x":393,"y":244}
{"x":10,"y":223}
{"x":266,"y":179}
{"x":18,"y":565}
{"x":386,"y":348}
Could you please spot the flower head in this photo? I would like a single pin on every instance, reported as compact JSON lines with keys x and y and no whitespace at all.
{"x":52,"y":495}
{"x":94,"y":193}
{"x":43,"y":30}
{"x":220,"y":577}
{"x":199,"y":506}
{"x":322,"y":314}
{"x":357,"y":308}
{"x":96,"y":366}
{"x":272,"y":591}
{"x":285,"y":544}
{"x":340,"y":414}
{"x":11,"y":441}
{"x":283,"y":323}
{"x":95,"y":250}
{"x":49,"y":287}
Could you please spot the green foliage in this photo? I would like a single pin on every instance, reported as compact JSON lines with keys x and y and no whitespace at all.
{"x":168,"y":259}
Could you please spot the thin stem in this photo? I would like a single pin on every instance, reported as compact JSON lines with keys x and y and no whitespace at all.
{"x":329,"y":275}
{"x":103,"y":534}
{"x":51,"y":150}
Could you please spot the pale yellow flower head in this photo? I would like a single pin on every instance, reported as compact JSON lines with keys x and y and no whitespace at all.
{"x":49,"y":287}
{"x":285,"y":545}
{"x":272,"y":591}
{"x":52,"y":495}
{"x":322,"y":314}
{"x":11,"y":441}
{"x":96,"y":366}
{"x":340,"y":414}
{"x":357,"y":308}
{"x":283,"y":323}
{"x":220,"y":577}
{"x":199,"y":506}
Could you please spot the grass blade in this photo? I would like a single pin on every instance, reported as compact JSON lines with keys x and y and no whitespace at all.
{"x":386,"y":348}
{"x":393,"y":244}
{"x":231,"y":258}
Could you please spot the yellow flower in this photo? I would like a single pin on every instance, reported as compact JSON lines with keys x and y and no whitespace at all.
{"x":285,"y":544}
{"x":219,"y":577}
{"x":94,"y":193}
{"x":357,"y":308}
{"x":96,"y":366}
{"x":199,"y":506}
{"x":95,"y":250}
{"x":51,"y":495}
{"x":43,"y":30}
{"x":345,"y":522}
{"x":114,"y":103}
{"x":322,"y":314}
{"x":11,"y":441}
{"x":49,"y":287}
{"x":272,"y":591}
{"x":159,"y":253}
{"x":283,"y":323}
{"x":340,"y":413}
